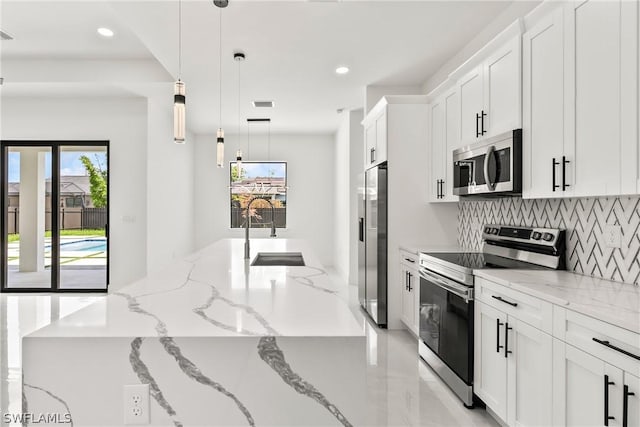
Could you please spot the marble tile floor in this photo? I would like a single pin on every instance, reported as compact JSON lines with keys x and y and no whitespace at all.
{"x":402,"y":391}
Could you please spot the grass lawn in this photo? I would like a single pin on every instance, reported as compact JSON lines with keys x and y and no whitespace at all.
{"x":87,"y":232}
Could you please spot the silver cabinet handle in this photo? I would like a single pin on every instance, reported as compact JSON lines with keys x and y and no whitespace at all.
{"x":490,"y":185}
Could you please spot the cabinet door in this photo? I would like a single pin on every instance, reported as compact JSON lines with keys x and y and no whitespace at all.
{"x":502,"y":74}
{"x":470,"y":89}
{"x":579,"y":389}
{"x":529,"y":373}
{"x":408,"y":303}
{"x":369,"y":144}
{"x":381,"y":139}
{"x":543,"y":101}
{"x":596,"y":33}
{"x":633,"y":401}
{"x":490,"y":365}
{"x":452,"y":142}
{"x":438,"y":142}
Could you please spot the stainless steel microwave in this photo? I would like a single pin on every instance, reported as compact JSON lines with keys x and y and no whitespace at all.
{"x":492,"y":167}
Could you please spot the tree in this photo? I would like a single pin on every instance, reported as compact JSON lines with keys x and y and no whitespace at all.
{"x":97,"y":180}
{"x":235,"y":176}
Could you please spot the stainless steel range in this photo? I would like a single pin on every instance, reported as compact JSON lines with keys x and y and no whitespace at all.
{"x":446,"y":294}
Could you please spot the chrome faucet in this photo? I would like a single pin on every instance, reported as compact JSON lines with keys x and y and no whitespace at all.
{"x":248,"y":220}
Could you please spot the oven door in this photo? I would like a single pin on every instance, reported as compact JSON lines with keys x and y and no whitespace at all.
{"x":493,"y":166}
{"x":446,"y":322}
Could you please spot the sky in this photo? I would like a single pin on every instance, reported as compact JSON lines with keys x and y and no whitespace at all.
{"x":262,"y":169}
{"x":70,"y":163}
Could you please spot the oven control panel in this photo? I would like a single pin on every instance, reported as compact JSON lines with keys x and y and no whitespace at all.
{"x":538,"y":236}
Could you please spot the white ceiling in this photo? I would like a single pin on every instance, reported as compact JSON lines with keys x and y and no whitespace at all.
{"x":292,"y":48}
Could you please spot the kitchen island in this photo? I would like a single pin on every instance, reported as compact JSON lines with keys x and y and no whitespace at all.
{"x":218,"y":341}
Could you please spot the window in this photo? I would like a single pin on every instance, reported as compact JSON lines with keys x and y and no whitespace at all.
{"x":73,"y":202}
{"x":264,"y":181}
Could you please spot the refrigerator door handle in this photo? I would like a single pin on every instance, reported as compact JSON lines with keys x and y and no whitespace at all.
{"x":361,"y":229}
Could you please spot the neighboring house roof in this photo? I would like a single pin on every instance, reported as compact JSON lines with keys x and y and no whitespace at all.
{"x":69,"y":185}
{"x":259,"y":185}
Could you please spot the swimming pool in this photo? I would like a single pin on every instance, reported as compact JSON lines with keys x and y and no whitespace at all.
{"x":94,"y":245}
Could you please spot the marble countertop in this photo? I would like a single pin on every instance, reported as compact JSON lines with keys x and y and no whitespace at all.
{"x":613,"y":302}
{"x":214,"y":292}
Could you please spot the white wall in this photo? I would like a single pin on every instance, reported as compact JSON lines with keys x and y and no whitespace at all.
{"x":349,"y":148}
{"x":373,"y":94}
{"x":516,"y":10}
{"x":310,"y":197}
{"x":122,"y":121}
{"x":170,"y":193}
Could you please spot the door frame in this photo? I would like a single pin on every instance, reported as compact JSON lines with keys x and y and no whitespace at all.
{"x":55,"y":213}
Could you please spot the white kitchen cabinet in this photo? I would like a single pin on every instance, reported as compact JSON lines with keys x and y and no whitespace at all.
{"x":490,"y":365}
{"x":490,"y":100}
{"x":513,"y":363}
{"x":410,"y":283}
{"x":470,"y":88}
{"x":529,"y":379}
{"x":543,"y":107}
{"x":593,"y":390}
{"x":375,"y":139}
{"x":580,"y":101}
{"x":444,"y":139}
{"x":600,"y":44}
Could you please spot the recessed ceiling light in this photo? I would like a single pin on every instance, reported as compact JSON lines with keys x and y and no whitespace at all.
{"x":342,"y":70}
{"x":262,"y":104}
{"x":105,"y":32}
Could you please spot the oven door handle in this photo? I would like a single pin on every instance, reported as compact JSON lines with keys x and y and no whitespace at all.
{"x":456,"y":289}
{"x":490,"y":185}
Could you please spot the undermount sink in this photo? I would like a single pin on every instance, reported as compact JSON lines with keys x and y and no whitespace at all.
{"x":279,"y":258}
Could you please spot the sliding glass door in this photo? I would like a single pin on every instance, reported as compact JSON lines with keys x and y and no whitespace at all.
{"x":55,"y":216}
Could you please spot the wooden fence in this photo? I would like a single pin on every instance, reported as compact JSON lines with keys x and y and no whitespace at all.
{"x":280,"y":218}
{"x":70,"y":219}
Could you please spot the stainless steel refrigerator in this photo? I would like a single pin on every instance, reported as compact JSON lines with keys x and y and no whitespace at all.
{"x":372,"y":246}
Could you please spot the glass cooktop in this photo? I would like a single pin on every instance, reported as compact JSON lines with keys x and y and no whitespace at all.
{"x":479,"y":260}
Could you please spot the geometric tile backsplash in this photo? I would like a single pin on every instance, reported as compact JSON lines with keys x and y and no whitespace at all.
{"x":584,"y":220}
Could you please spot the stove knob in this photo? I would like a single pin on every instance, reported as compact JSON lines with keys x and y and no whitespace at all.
{"x":494,"y":231}
{"x":536,"y":235}
{"x":487,"y":230}
{"x":547,"y":237}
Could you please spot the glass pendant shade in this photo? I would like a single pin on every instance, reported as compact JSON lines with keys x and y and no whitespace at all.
{"x":220,"y":148}
{"x":179,"y":114}
{"x":239,"y":162}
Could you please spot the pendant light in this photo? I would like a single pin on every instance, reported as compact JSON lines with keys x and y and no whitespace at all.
{"x":220,"y":133}
{"x":179,"y":113}
{"x":239,"y":57}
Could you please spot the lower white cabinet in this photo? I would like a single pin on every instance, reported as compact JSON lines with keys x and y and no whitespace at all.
{"x":410,"y":282}
{"x":579,"y":372}
{"x":513,"y":367}
{"x":592,"y":391}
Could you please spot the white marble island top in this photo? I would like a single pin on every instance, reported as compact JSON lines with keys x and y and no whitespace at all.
{"x":214,"y":292}
{"x":613,"y":302}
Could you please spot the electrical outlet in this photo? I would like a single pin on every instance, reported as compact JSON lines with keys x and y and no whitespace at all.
{"x":136,"y":404}
{"x":613,"y":236}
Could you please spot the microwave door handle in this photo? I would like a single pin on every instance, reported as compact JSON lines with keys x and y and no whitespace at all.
{"x":490,"y":185}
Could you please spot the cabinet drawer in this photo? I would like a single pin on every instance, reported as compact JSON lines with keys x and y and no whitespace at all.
{"x":580,"y":330}
{"x":409,"y":259}
{"x":531,"y":310}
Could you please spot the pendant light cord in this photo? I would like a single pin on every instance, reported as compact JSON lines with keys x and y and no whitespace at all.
{"x":239,"y":104}
{"x":220,"y":55}
{"x":179,"y":39}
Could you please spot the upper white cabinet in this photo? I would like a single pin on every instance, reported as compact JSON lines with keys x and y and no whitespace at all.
{"x":580,"y":112}
{"x":543,"y":106}
{"x":490,"y":101}
{"x":375,"y":138}
{"x":444,"y":139}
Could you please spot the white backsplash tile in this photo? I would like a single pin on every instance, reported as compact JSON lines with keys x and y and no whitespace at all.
{"x":585,"y":221}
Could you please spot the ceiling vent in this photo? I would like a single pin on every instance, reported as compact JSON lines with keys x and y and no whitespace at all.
{"x":5,"y":36}
{"x":263,"y":104}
